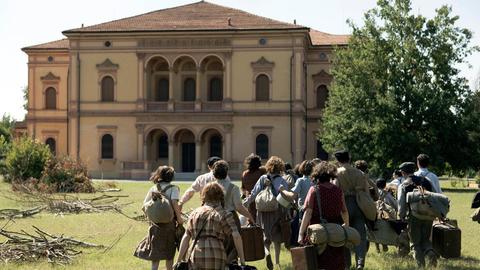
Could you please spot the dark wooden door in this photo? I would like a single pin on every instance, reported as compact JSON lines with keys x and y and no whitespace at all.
{"x":188,"y":157}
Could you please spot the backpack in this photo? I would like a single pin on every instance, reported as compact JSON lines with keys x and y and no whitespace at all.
{"x":266,"y":201}
{"x":159,"y":209}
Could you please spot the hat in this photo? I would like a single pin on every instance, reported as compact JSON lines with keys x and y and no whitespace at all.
{"x":212,"y":161}
{"x":342,"y":155}
{"x":407,"y":167}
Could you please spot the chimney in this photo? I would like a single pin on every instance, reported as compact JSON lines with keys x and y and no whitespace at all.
{"x":294,"y":21}
{"x":229,"y":21}
{"x":82,"y":25}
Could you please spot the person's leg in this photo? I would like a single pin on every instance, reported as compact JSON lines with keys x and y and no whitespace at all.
{"x":295,"y":226}
{"x":268,"y":256}
{"x":155,"y":265}
{"x":277,"y":246}
{"x":429,"y":253}
{"x":416,"y":238}
{"x":169,"y":264}
{"x":357,"y":221}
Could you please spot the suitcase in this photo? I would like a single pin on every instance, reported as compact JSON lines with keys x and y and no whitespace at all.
{"x":304,"y":258}
{"x":447,"y":240}
{"x":253,"y":245}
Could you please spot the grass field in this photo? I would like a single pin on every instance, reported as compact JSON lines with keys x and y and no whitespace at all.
{"x":105,"y":228}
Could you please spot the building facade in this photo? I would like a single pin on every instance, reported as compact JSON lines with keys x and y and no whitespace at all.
{"x":178,"y":85}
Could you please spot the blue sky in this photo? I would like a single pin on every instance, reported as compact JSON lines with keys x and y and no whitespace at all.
{"x":24,"y":23}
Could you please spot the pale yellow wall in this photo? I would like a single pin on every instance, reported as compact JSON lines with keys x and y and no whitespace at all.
{"x":126,"y":83}
{"x":125,"y":138}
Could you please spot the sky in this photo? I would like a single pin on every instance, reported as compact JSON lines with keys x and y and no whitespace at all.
{"x":30,"y":22}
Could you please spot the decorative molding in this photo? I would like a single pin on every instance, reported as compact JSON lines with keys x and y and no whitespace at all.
{"x":105,"y":127}
{"x":50,"y":77}
{"x":107,"y":65}
{"x":141,"y":56}
{"x":322,"y":77}
{"x":184,"y":43}
{"x":262,"y":63}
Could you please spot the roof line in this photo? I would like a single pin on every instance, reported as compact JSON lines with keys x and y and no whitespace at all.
{"x":184,"y":30}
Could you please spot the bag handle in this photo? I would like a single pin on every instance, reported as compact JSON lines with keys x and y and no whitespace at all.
{"x":319,"y":205}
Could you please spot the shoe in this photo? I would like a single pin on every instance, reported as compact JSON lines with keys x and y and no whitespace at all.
{"x":268,"y":258}
{"x":359,"y":267}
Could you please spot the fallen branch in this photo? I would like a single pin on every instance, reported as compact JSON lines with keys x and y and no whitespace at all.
{"x":29,"y":247}
{"x":16,"y":213}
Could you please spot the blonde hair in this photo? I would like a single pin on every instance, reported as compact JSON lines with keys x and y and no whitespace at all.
{"x":275,"y":165}
{"x":162,"y":174}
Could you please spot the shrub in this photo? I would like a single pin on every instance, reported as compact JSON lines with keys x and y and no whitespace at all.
{"x":4,"y":148}
{"x":25,"y":159}
{"x":66,"y":174}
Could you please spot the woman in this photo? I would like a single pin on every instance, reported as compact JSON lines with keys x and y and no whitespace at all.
{"x":160,"y":242}
{"x":250,"y":177}
{"x":209,"y":226}
{"x":270,"y":221}
{"x":333,"y":209}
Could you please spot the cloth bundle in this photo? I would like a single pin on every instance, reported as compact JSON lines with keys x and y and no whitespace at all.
{"x":332,"y":234}
{"x":427,"y":205}
{"x":383,"y":233}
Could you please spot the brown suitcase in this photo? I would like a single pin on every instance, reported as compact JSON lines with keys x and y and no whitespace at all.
{"x":447,"y":240}
{"x":304,"y":258}
{"x":253,"y":245}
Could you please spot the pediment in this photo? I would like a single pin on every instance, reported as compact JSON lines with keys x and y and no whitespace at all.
{"x":50,"y":77}
{"x":107,"y":65}
{"x":322,"y":76}
{"x":262,"y":62}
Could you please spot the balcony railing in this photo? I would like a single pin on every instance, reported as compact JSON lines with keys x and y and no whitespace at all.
{"x":212,"y":106}
{"x":155,"y":106}
{"x":185,"y":106}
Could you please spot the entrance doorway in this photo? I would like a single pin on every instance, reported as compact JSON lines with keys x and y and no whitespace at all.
{"x":188,"y":157}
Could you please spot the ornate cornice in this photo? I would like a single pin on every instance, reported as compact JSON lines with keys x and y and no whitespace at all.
{"x":322,"y":77}
{"x":107,"y":65}
{"x":262,"y":63}
{"x":50,"y":77}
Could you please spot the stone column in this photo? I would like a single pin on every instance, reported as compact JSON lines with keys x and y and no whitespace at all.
{"x":198,"y":155}
{"x":140,"y":141}
{"x":228,"y":143}
{"x":227,"y":82}
{"x":198,"y":100}
{"x":171,"y":101}
{"x":141,"y":81}
{"x":171,"y":145}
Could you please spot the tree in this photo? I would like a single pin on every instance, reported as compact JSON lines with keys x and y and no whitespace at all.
{"x":6,"y":126}
{"x":25,"y":97}
{"x":397,"y":91}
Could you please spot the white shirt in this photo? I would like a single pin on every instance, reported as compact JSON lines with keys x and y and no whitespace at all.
{"x":397,"y":181}
{"x":431,"y":177}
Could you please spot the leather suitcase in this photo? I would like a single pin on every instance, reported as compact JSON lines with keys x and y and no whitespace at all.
{"x":304,"y":258}
{"x":253,"y":244}
{"x":447,"y":240}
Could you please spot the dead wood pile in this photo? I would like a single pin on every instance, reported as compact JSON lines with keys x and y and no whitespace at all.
{"x":28,"y":247}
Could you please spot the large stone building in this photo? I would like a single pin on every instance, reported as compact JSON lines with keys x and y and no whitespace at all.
{"x":178,"y":85}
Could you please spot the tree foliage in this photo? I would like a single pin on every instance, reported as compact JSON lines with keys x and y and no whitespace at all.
{"x":398,"y":90}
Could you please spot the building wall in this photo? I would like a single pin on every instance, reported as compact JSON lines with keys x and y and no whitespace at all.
{"x":131,"y":121}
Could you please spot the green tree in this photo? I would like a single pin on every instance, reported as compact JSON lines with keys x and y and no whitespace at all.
{"x":6,"y":126}
{"x":398,"y":91}
{"x":25,"y":97}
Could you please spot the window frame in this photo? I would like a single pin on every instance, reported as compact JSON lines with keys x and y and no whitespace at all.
{"x":50,"y":87}
{"x":106,"y":76}
{"x":102,"y":156}
{"x":268,"y":90}
{"x":267,"y":145}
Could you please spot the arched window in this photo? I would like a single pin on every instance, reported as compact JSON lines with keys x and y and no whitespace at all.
{"x":189,"y":90}
{"x":162,"y":90}
{"x":216,"y":146}
{"x":322,"y":96}
{"x":50,"y":142}
{"x":215,"y":91}
{"x":107,"y":146}
{"x":50,"y":98}
{"x":107,"y":89}
{"x":321,"y":153}
{"x":261,"y":146}
{"x":262,"y":88}
{"x":163,"y":146}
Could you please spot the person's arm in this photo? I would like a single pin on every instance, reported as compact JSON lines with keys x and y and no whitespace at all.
{"x":182,"y":251}
{"x":196,"y":187}
{"x":402,"y":211}
{"x":237,"y":240}
{"x":237,"y":201}
{"x":344,"y":213}
{"x":307,"y":216}
{"x":178,"y":211}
